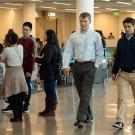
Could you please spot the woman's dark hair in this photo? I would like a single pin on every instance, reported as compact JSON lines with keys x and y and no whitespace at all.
{"x":52,"y":40}
{"x":1,"y":48}
{"x":10,"y":31}
{"x":11,"y":38}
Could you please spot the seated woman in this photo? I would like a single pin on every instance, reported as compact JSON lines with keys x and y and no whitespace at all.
{"x":15,"y":86}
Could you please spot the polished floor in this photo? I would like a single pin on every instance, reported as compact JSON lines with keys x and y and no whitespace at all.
{"x":103,"y":104}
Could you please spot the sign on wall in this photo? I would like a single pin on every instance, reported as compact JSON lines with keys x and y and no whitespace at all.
{"x":51,"y":15}
{"x":116,"y":13}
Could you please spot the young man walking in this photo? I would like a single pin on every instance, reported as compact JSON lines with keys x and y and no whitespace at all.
{"x":124,"y":65}
{"x":86,"y":47}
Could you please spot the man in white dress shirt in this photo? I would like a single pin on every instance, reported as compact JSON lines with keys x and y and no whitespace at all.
{"x":86,"y":47}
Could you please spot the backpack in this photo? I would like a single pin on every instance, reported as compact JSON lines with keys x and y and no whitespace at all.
{"x":58,"y":64}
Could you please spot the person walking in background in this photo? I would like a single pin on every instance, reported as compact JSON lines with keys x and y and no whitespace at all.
{"x":15,"y":86}
{"x":124,"y":65}
{"x":86,"y":47}
{"x":49,"y":70}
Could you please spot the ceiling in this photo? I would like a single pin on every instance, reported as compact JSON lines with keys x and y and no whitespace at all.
{"x":101,"y":4}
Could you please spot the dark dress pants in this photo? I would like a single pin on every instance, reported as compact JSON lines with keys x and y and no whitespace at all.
{"x":84,"y":75}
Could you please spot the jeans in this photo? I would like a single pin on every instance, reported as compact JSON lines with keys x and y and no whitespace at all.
{"x":27,"y":98}
{"x":50,"y":90}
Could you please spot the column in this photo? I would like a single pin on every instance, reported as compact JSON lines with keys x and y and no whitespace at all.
{"x":29,"y":14}
{"x":84,"y":6}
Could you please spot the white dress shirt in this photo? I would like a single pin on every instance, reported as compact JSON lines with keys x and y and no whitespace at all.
{"x":84,"y":46}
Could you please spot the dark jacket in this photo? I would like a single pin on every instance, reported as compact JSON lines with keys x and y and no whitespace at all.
{"x":49,"y":64}
{"x":125,"y":55}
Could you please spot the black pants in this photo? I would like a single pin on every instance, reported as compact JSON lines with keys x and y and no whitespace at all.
{"x":16,"y":103}
{"x":84,"y":74}
{"x":26,"y":98}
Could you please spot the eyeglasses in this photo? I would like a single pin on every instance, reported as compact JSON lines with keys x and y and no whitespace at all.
{"x":26,"y":29}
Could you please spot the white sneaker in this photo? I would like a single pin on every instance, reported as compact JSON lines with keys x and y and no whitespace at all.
{"x":119,"y":125}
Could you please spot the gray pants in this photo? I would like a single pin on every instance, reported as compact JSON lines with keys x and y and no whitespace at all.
{"x":84,"y":75}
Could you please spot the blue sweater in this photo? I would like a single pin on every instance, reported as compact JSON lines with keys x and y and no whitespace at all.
{"x":125,"y":55}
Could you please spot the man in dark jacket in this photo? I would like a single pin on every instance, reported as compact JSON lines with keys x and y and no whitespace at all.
{"x":124,"y":69}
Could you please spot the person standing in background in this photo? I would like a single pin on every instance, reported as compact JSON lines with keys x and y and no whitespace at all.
{"x":28,"y":60}
{"x":29,"y":47}
{"x":15,"y":86}
{"x":86,"y":47}
{"x":111,"y":36}
{"x":49,"y":70}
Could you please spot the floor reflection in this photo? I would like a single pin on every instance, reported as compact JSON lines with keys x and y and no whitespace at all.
{"x":103,"y":103}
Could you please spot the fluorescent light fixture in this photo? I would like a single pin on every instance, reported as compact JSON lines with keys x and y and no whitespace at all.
{"x":111,"y":9}
{"x":70,"y":9}
{"x":130,"y":11}
{"x":126,"y":3}
{"x":48,"y":7}
{"x":7,"y":8}
{"x":14,"y":4}
{"x":96,"y":12}
{"x":36,"y":0}
{"x":96,"y":7}
{"x":105,"y":0}
{"x":59,"y":3}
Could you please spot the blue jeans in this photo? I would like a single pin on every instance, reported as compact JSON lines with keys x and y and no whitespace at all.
{"x":50,"y":90}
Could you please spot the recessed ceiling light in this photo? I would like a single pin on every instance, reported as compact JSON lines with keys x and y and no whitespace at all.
{"x":36,"y":0}
{"x":14,"y":4}
{"x":111,"y":9}
{"x":130,"y":11}
{"x":105,"y":0}
{"x":96,"y":12}
{"x":126,"y":3}
{"x":48,"y":7}
{"x":7,"y":8}
{"x":96,"y":7}
{"x":59,"y":3}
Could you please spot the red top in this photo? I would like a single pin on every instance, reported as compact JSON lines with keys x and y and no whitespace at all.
{"x":28,"y":49}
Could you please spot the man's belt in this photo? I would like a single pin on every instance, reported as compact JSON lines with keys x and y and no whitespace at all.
{"x":84,"y":62}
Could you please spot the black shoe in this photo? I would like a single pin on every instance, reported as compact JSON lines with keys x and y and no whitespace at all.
{"x":80,"y":124}
{"x":133,"y":122}
{"x":118,"y":125}
{"x":8,"y":109}
{"x":88,"y":119}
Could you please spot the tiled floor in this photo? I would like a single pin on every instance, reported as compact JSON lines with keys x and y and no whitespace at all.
{"x":104,"y":108}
